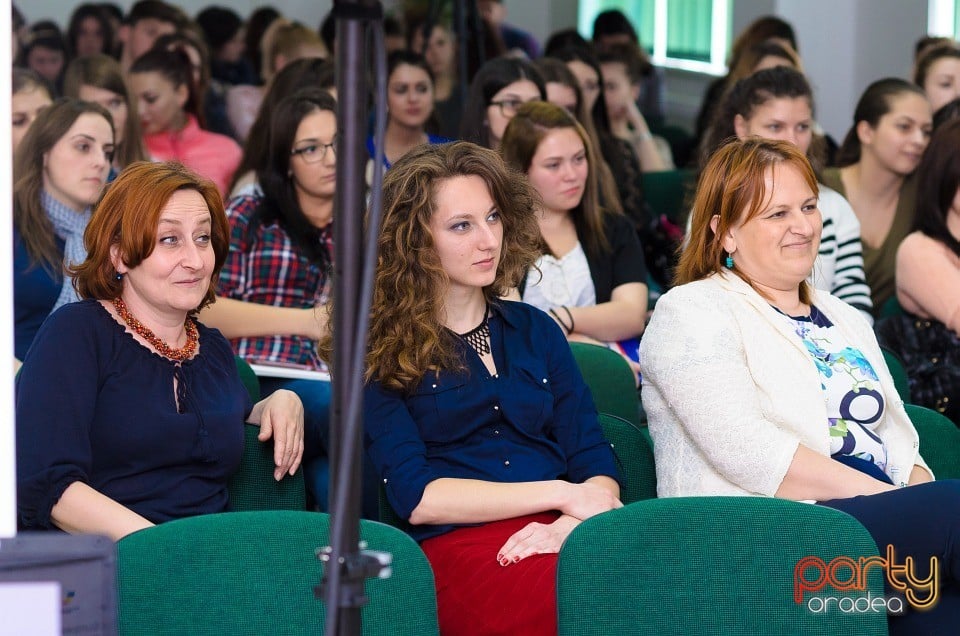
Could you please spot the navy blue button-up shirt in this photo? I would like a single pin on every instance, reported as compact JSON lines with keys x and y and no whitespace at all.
{"x":535,"y":420}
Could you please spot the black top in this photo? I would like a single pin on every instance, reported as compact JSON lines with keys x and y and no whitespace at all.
{"x":622,"y":264}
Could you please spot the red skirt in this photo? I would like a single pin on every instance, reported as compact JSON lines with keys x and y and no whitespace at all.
{"x":477,"y":595}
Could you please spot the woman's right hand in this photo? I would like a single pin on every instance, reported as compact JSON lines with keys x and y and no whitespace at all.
{"x":588,"y":499}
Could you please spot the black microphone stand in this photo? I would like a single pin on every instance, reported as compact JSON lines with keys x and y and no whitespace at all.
{"x":347,"y":564}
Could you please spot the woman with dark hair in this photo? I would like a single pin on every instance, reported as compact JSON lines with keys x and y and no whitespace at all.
{"x":212,"y":99}
{"x":312,"y":71}
{"x":277,"y":273}
{"x":621,"y":68}
{"x":763,"y":29}
{"x":757,"y":384}
{"x":170,"y":108}
{"x":927,"y":335}
{"x":476,"y":418}
{"x":613,"y":28}
{"x":129,"y":411}
{"x":30,"y":94}
{"x":591,"y":275}
{"x":97,"y":79}
{"x":410,"y":115}
{"x":223,"y":32}
{"x":777,"y":103}
{"x":500,"y":87}
{"x":938,"y":73}
{"x":438,"y":45}
{"x":891,"y":129}
{"x":45,"y":52}
{"x":89,"y":32}
{"x":59,"y":170}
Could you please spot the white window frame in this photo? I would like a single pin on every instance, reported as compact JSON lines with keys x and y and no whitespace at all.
{"x":941,"y":18}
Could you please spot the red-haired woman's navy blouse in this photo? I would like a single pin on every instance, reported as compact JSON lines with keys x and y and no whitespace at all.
{"x":96,"y":406}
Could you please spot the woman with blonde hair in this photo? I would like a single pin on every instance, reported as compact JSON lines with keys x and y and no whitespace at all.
{"x":476,"y":417}
{"x":98,"y":79}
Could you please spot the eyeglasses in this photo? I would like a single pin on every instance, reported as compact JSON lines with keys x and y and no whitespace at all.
{"x":312,"y":153}
{"x":508,"y":107}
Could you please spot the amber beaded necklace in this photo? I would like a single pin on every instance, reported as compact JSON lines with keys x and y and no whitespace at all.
{"x":162,"y":347}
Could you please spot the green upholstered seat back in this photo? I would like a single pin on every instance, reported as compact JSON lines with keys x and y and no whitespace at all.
{"x":707,"y":566}
{"x":900,"y":379}
{"x":666,"y":192}
{"x":254,"y":573}
{"x":610,"y":379}
{"x":634,"y":451}
{"x":249,"y":379}
{"x":253,"y":486}
{"x":939,"y":441}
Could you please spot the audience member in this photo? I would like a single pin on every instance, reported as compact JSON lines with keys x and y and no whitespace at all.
{"x":438,"y":45}
{"x":59,"y":170}
{"x":590,"y":276}
{"x":763,"y":29}
{"x":311,"y":71}
{"x":777,"y":103}
{"x":169,"y":107}
{"x":30,"y":94}
{"x":613,"y":28}
{"x":454,"y":372}
{"x":891,"y":129}
{"x":89,"y":32}
{"x":97,"y":79}
{"x":281,"y":255}
{"x":410,"y":117}
{"x":620,"y":64}
{"x":792,"y":397}
{"x":147,"y":21}
{"x":223,"y":31}
{"x":498,"y":89}
{"x":45,"y":52}
{"x":927,"y":335}
{"x":129,"y":411}
{"x":938,"y":74}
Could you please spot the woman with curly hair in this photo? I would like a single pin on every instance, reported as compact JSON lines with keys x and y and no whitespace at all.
{"x":483,"y":432}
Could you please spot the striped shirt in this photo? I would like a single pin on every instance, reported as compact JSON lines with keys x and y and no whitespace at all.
{"x":839,"y":266}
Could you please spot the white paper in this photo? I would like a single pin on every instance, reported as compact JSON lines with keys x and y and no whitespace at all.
{"x":30,"y":608}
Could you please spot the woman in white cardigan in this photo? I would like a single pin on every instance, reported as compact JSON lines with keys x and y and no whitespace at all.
{"x":755,"y":383}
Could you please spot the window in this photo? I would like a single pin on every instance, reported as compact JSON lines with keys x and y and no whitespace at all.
{"x":943,"y":18}
{"x":688,"y":34}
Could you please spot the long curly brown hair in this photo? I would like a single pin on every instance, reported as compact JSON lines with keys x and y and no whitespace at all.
{"x":407,"y":338}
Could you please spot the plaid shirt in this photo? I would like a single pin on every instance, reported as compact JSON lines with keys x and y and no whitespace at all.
{"x":265,"y":267}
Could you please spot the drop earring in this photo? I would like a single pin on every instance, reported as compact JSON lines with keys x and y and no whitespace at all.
{"x":728,"y":261}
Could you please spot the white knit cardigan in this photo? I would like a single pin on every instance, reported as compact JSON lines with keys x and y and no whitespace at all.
{"x":730,"y":391}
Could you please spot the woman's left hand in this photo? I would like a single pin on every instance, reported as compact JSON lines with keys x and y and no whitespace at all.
{"x":537,"y":538}
{"x":281,"y":417}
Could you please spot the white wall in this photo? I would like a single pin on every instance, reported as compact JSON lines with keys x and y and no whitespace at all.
{"x":861,"y":41}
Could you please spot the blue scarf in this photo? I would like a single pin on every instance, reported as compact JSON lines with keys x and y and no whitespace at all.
{"x":68,"y":224}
